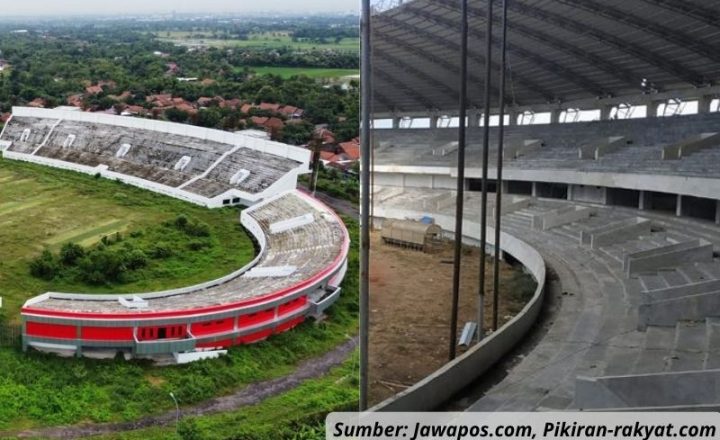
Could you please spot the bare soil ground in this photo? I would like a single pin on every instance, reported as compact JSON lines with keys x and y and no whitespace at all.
{"x":410,"y":301}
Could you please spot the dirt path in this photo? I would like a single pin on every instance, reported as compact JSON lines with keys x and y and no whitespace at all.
{"x":250,"y":395}
{"x":410,"y":299}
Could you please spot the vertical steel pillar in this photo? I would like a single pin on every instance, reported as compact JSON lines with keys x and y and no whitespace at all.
{"x":485,"y":155}
{"x":499,"y":182}
{"x":460,"y":201}
{"x":366,"y":95}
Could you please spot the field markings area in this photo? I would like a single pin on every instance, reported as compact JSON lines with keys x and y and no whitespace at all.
{"x":90,"y":234}
{"x":42,"y":208}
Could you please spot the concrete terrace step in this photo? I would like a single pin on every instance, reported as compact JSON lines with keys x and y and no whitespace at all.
{"x":712,"y":349}
{"x":653,"y":282}
{"x":690,"y":346}
{"x":693,"y":273}
{"x":673,"y":278}
{"x":711,"y":270}
{"x":656,"y":351}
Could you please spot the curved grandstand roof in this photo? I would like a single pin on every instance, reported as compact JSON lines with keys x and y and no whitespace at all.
{"x":558,"y":51}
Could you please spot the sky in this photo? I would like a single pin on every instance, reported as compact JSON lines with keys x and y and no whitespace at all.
{"x":87,"y":7}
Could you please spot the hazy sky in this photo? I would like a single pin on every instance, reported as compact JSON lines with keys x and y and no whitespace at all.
{"x":87,"y":7}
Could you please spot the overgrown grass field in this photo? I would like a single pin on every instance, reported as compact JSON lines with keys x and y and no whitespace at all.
{"x":271,"y":40}
{"x":43,"y":208}
{"x":38,"y":205}
{"x":310,"y":72}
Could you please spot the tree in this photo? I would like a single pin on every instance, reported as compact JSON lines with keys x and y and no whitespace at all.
{"x":70,"y":253}
{"x":176,"y":115}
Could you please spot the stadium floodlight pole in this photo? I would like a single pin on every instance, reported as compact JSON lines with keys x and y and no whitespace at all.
{"x":485,"y":154}
{"x":459,"y":204}
{"x":498,"y":186}
{"x":366,"y":94}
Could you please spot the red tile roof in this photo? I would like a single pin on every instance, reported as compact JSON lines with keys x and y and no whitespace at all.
{"x":75,"y":100}
{"x":351,"y":149}
{"x":268,"y":106}
{"x":93,"y":90}
{"x":274,"y":123}
{"x":259,"y":120}
{"x":37,"y":102}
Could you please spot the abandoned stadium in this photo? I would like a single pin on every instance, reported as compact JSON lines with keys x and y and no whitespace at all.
{"x":296,"y":274}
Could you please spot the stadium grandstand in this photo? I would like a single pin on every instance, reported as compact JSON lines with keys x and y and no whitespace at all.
{"x":203,"y":166}
{"x":592,"y":129}
{"x":302,"y":245}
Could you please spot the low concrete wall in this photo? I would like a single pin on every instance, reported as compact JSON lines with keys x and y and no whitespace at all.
{"x":668,"y":312}
{"x":510,"y":206}
{"x":680,"y":291}
{"x":439,"y":386}
{"x":514,"y":151}
{"x":687,"y":147}
{"x":596,"y":151}
{"x":668,"y":256}
{"x":561,"y":217}
{"x":617,"y":232}
{"x":648,"y":390}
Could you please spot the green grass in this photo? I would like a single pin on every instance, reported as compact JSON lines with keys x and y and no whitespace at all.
{"x":272,"y":40}
{"x":297,"y":414}
{"x":39,"y":389}
{"x":310,"y":72}
{"x":45,"y":208}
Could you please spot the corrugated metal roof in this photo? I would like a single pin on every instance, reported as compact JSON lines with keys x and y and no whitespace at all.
{"x":558,"y":50}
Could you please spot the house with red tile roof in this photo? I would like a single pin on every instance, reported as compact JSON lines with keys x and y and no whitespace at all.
{"x":269,"y":106}
{"x":291,"y":112}
{"x":132,"y":110}
{"x":351,"y":149}
{"x":204,"y":101}
{"x":259,"y":120}
{"x":75,"y":100}
{"x":37,"y":103}
{"x":93,"y":90}
{"x":122,"y":97}
{"x":327,"y":136}
{"x":161,"y":100}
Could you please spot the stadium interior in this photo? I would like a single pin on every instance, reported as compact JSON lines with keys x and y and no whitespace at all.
{"x":610,"y":174}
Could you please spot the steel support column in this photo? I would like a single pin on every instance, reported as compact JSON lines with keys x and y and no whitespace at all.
{"x":459,"y":204}
{"x":485,"y":156}
{"x":366,"y":95}
{"x":499,"y":182}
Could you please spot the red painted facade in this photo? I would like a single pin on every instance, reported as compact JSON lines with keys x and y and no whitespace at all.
{"x":284,"y":309}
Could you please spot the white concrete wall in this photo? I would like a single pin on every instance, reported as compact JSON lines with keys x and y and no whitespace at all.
{"x":444,"y":182}
{"x":691,"y":186}
{"x":418,"y":181}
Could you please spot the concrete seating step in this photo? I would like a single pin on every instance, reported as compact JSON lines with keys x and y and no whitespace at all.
{"x":653,"y":282}
{"x":672,"y":278}
{"x":621,"y":354}
{"x":692,"y":273}
{"x":712,"y":350}
{"x":690,"y":345}
{"x":656,"y":351}
{"x":710,"y":269}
